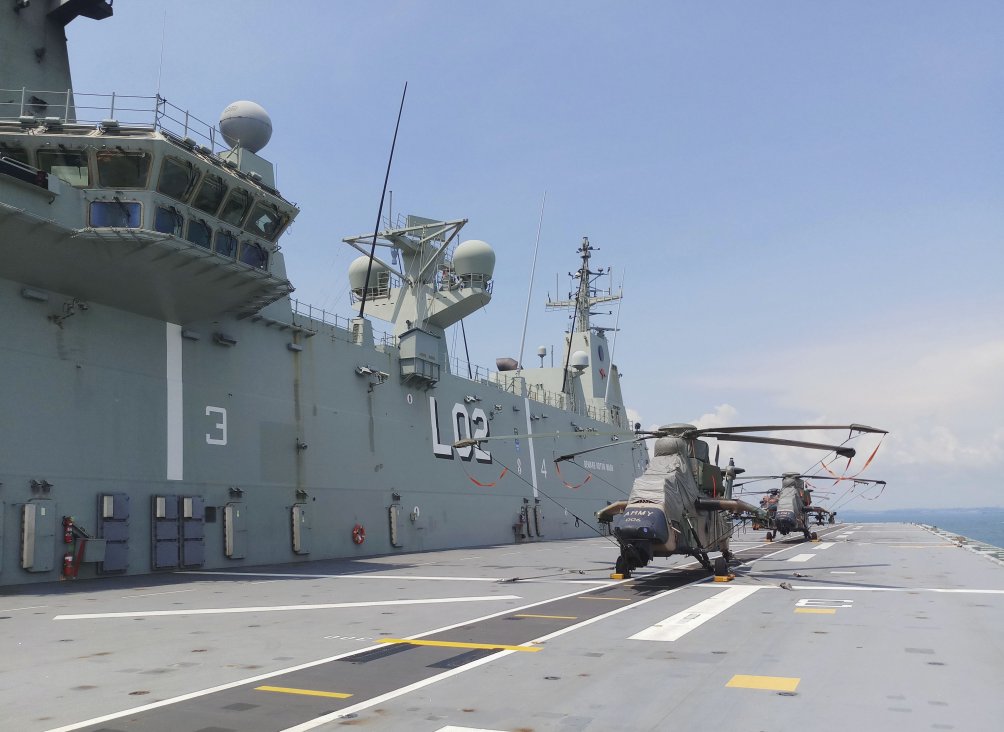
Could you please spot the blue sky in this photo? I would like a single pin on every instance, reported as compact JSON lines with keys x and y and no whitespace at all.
{"x":805,"y":200}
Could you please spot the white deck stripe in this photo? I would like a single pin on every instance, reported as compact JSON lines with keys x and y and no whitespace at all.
{"x":278,"y":608}
{"x":801,"y":558}
{"x":852,"y":588}
{"x":529,"y":445}
{"x":494,"y":580}
{"x":175,"y":404}
{"x":677,"y":626}
{"x":825,"y":545}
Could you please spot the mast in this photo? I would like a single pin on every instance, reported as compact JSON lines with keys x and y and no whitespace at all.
{"x":587,"y":294}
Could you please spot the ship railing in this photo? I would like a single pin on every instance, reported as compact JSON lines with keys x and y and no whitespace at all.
{"x":338,"y":326}
{"x":108,"y":111}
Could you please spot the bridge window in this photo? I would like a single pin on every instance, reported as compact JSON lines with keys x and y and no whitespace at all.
{"x":265,"y":221}
{"x":177,"y":178}
{"x":226,"y":243}
{"x":199,"y":233}
{"x":168,"y":221}
{"x":236,"y":207}
{"x":116,"y":214}
{"x":254,"y":255}
{"x":121,"y":169}
{"x":69,"y":165}
{"x":210,"y":194}
{"x":18,"y":154}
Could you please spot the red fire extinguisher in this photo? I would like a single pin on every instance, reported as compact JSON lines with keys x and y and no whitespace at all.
{"x":67,"y":529}
{"x":69,"y":569}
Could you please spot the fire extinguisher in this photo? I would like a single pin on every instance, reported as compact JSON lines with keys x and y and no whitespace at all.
{"x":69,"y":570}
{"x":67,"y":529}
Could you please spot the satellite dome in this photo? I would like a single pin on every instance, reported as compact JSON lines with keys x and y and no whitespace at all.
{"x":474,"y":257}
{"x":357,"y":274}
{"x":579,"y":361}
{"x":247,"y":125}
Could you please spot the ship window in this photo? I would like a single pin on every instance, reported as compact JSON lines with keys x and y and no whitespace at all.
{"x":226,"y":243}
{"x":121,"y":169}
{"x":70,"y":165}
{"x":210,"y":194}
{"x":168,"y":221}
{"x":265,"y":221}
{"x":254,"y":255}
{"x":116,"y":214}
{"x":199,"y":233}
{"x":236,"y":207}
{"x":177,"y":178}
{"x":18,"y":154}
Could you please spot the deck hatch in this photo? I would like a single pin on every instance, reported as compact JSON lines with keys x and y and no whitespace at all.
{"x":235,"y":530}
{"x":166,"y":533}
{"x":193,"y":544}
{"x":301,"y":528}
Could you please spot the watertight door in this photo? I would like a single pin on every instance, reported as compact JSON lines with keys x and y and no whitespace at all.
{"x":235,"y":530}
{"x":193,"y":515}
{"x":38,"y":535}
{"x":301,"y":529}
{"x":166,"y":544}
{"x":113,"y":527}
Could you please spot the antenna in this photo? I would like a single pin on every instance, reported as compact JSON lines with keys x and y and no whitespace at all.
{"x":376,"y":229}
{"x":529,"y":292}
{"x":613,"y":349}
{"x":163,"y":35}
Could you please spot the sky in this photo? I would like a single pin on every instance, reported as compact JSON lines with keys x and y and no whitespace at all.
{"x":804,"y":201}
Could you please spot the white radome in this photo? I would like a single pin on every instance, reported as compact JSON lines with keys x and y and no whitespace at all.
{"x":247,"y":125}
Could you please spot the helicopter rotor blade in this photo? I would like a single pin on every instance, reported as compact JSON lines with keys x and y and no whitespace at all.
{"x":847,"y":452}
{"x":780,"y":427}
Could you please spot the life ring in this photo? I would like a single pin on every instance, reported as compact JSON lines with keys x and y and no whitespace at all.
{"x":358,"y":534}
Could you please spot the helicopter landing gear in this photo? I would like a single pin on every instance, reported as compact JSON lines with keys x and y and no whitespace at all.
{"x":705,"y":561}
{"x":814,"y":536}
{"x":721,"y":567}
{"x":770,"y":536}
{"x":622,"y":567}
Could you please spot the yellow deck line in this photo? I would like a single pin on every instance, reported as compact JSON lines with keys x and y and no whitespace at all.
{"x":816,"y":610}
{"x":305,"y":692}
{"x":769,"y":683}
{"x":454,"y":644}
{"x":552,"y":617}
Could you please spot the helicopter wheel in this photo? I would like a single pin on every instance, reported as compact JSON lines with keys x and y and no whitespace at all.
{"x":705,"y":561}
{"x":622,"y":567}
{"x":770,"y":536}
{"x":721,"y":567}
{"x":814,"y":536}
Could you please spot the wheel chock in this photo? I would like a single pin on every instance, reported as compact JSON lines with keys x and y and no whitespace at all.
{"x":616,"y":576}
{"x":727,"y":578}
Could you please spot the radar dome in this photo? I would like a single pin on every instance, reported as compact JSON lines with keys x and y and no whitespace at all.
{"x":247,"y":125}
{"x":357,"y":275}
{"x":579,"y":360}
{"x":474,"y":257}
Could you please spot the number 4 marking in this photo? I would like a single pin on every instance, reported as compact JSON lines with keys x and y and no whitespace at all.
{"x":543,"y":468}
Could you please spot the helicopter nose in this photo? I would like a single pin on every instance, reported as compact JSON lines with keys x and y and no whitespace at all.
{"x":785,"y":522}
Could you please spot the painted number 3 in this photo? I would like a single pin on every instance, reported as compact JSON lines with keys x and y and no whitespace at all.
{"x":220,"y":438}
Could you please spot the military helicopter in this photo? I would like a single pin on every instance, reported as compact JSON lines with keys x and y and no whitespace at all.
{"x":683,"y":503}
{"x":790,"y":507}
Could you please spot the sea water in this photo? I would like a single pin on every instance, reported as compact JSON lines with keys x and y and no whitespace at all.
{"x":981,"y":524}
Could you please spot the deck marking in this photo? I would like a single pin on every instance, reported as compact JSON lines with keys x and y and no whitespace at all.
{"x":824,"y":545}
{"x":30,"y":607}
{"x":852,"y":588}
{"x":551,"y":617}
{"x":389,"y":695}
{"x":677,"y":626}
{"x":615,"y":599}
{"x":353,"y":709}
{"x":838,"y":571}
{"x":457,"y":644}
{"x":768,"y":683}
{"x":452,"y":728}
{"x":281,"y":608}
{"x":305,"y":692}
{"x":151,"y":594}
{"x":529,"y":443}
{"x":816,"y":610}
{"x":495,"y":580}
{"x":175,"y":403}
{"x":801,"y":558}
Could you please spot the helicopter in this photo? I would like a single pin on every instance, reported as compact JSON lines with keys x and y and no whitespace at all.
{"x":789,"y":508}
{"x":683,"y":504}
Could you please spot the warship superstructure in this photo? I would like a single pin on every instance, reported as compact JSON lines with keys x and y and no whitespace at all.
{"x":166,"y":404}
